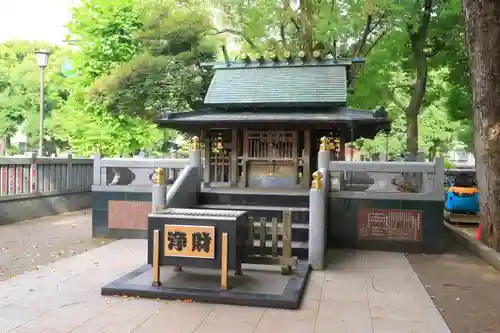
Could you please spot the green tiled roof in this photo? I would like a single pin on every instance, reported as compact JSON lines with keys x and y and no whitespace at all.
{"x":278,"y":85}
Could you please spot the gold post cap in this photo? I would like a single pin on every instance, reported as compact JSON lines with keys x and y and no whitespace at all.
{"x":159,"y":176}
{"x":325,"y":143}
{"x":317,"y":180}
{"x":195,"y":143}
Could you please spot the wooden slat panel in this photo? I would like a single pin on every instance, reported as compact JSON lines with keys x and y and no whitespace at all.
{"x":287,"y":233}
{"x":274,"y":233}
{"x":250,"y":248}
{"x":262,"y":231}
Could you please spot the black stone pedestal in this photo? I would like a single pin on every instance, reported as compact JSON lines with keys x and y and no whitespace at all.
{"x":262,"y":286}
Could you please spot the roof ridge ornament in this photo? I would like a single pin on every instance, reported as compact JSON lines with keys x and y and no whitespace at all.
{"x":317,"y":55}
{"x":302,"y":55}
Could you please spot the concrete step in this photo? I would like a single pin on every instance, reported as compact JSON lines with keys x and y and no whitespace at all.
{"x":300,"y":225}
{"x":299,"y":248}
{"x":252,"y":207}
{"x":248,"y":198}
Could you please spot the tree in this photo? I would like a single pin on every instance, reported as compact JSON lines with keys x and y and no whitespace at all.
{"x":19,"y":87}
{"x":482,"y":22}
{"x":139,"y":59}
{"x":412,"y":31}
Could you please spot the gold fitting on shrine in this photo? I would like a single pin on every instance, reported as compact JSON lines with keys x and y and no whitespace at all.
{"x":159,"y":176}
{"x":325,"y":144}
{"x":195,"y":143}
{"x":317,"y":182}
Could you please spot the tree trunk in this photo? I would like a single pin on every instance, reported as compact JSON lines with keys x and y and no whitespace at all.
{"x":417,"y":40}
{"x":306,"y":28}
{"x":482,"y":22}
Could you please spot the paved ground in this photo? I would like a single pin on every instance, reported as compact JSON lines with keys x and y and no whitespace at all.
{"x":26,"y":246}
{"x":463,"y":286}
{"x":362,"y":292}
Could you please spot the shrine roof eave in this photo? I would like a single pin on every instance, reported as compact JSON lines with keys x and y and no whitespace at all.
{"x":330,"y":115}
{"x":366,"y":123}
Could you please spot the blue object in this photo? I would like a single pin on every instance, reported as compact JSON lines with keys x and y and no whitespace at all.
{"x":462,"y":202}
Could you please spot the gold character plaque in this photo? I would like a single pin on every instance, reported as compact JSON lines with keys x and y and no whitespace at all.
{"x":191,"y":241}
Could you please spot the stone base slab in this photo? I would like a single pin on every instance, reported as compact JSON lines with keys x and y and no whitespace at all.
{"x":261,"y":286}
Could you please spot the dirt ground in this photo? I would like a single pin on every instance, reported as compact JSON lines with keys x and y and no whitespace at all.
{"x":28,"y":245}
{"x":464,"y":288}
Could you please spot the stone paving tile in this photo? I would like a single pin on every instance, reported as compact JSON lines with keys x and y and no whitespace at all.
{"x":64,"y":319}
{"x":361,"y":291}
{"x":234,"y":315}
{"x":108,"y":323}
{"x":344,"y":317}
{"x":12,"y":316}
{"x":399,"y":326}
{"x":179,"y":317}
{"x":288,"y":321}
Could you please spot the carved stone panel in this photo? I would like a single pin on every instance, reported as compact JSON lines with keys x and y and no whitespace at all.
{"x":390,"y":224}
{"x":131,"y":215}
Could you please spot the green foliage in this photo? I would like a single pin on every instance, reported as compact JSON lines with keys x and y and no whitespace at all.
{"x":136,"y":58}
{"x":139,"y":59}
{"x":147,"y":85}
{"x":20,"y":86}
{"x":105,"y":33}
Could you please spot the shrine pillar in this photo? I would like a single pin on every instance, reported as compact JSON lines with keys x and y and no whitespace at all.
{"x":317,"y":222}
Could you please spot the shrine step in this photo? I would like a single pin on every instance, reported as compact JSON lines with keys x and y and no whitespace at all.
{"x":252,"y":198}
{"x":300,"y":224}
{"x":299,"y":248}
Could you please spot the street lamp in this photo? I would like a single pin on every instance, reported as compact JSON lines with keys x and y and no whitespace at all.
{"x":42,"y":57}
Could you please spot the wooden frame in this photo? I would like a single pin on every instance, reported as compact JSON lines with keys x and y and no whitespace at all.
{"x":263,"y":228}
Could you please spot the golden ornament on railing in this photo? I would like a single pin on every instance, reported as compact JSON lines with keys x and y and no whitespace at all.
{"x":159,"y":176}
{"x":195,"y":143}
{"x":325,"y":144}
{"x":317,"y":55}
{"x":317,"y":181}
{"x":302,"y":55}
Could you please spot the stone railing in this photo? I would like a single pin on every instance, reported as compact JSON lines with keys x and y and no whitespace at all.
{"x":32,"y":187}
{"x":133,"y":174}
{"x":23,"y":175}
{"x":389,"y":180}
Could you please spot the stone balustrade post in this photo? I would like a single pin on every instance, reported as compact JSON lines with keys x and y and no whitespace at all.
{"x":317,"y":222}
{"x":195,"y":158}
{"x":159,"y":193}
{"x":33,"y":172}
{"x":324,"y":154}
{"x":96,"y":156}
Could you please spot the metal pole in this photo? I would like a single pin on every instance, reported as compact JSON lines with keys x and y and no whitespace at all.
{"x":40,"y":142}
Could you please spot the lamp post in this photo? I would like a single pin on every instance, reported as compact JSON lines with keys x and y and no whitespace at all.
{"x":42,"y":57}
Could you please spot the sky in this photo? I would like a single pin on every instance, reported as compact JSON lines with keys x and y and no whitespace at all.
{"x":42,"y":20}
